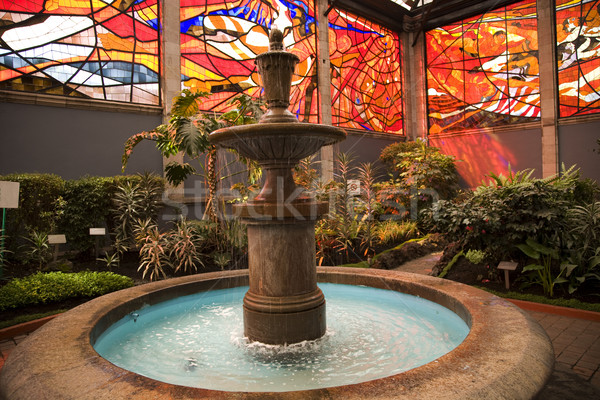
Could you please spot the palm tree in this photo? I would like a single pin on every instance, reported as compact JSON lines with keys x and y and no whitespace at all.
{"x":188,"y":130}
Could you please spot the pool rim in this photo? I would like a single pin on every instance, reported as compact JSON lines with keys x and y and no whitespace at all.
{"x":506,"y":354}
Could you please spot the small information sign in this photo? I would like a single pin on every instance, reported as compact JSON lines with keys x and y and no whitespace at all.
{"x":9,"y":194}
{"x":97,"y":231}
{"x":57,"y":239}
{"x":353,"y":187}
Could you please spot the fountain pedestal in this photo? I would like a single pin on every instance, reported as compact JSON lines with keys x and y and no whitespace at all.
{"x":283,"y":304}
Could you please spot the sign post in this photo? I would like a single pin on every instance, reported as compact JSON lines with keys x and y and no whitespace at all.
{"x":9,"y":198}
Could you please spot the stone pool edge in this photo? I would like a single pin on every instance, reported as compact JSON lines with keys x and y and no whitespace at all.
{"x":506,"y":354}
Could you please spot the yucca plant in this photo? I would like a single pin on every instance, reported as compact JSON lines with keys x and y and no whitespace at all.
{"x":38,"y":250}
{"x":185,"y":248}
{"x":154,"y":255}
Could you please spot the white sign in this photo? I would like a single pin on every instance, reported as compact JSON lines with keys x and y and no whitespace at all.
{"x":9,"y":194}
{"x":57,"y":239}
{"x":97,"y":231}
{"x":353,"y":187}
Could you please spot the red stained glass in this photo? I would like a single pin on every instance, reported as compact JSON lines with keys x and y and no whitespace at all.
{"x":578,"y":57}
{"x":220,"y":40}
{"x":366,"y":74}
{"x":484,"y":71}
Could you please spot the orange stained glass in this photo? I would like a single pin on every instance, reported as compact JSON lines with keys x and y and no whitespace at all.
{"x":81,"y":48}
{"x":578,"y":57}
{"x":365,"y":74}
{"x":484,"y":71}
{"x":220,"y":39}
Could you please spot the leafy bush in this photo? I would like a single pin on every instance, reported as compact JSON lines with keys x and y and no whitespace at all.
{"x":418,"y":169}
{"x":87,"y":206}
{"x":518,"y":211}
{"x":507,"y":211}
{"x":39,"y":206}
{"x":48,"y":204}
{"x":43,"y":288}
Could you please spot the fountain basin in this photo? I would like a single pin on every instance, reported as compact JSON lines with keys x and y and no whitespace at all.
{"x":505,"y":355}
{"x":279,"y":143}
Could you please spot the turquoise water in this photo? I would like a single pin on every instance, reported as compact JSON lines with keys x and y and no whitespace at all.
{"x":198,"y":341}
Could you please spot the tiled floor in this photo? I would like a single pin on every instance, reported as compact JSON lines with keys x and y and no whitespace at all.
{"x":576,"y":343}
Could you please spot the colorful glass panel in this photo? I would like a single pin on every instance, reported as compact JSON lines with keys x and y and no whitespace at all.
{"x":365,"y":74}
{"x":93,"y":49}
{"x":578,"y":56}
{"x":484,"y":71}
{"x":220,"y":39}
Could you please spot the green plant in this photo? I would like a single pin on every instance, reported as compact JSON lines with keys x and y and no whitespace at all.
{"x":111,"y":260}
{"x":394,"y":231}
{"x":581,"y":238}
{"x":507,"y":211}
{"x":476,"y":256}
{"x":542,"y":271}
{"x":38,"y":250}
{"x":44,"y":288}
{"x":185,"y":245}
{"x":417,"y":166}
{"x":38,"y":195}
{"x":154,"y":254}
{"x":87,"y":205}
{"x":135,"y":201}
{"x":187,"y":132}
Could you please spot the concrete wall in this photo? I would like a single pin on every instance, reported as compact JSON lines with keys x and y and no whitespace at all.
{"x":577,"y":146}
{"x":73,"y":142}
{"x":366,"y":147}
{"x":484,"y":152}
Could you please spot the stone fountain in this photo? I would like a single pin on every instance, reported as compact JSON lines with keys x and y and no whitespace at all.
{"x":505,"y":355}
{"x":283,"y":304}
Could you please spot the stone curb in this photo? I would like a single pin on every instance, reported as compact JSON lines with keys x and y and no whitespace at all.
{"x":557,"y":310}
{"x":24,"y":328}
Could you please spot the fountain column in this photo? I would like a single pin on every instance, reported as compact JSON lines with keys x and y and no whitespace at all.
{"x":283,"y":304}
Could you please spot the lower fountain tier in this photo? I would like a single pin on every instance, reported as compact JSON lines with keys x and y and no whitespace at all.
{"x":292,"y":324}
{"x":283,"y":303}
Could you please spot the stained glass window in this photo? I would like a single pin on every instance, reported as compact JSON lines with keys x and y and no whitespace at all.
{"x":93,"y":49}
{"x":220,"y":39}
{"x":365,"y":74}
{"x":484,"y":71}
{"x":578,"y":56}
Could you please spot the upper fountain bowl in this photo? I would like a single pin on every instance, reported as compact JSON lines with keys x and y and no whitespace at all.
{"x":277,"y":143}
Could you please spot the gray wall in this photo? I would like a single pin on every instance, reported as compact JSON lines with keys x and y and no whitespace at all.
{"x":482,"y":153}
{"x":576,"y":145}
{"x":72,"y":142}
{"x":367,"y":148}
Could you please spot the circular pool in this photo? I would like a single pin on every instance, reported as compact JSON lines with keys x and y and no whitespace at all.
{"x":505,"y":355}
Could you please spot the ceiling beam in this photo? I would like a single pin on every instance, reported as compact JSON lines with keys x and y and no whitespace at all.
{"x":386,"y":13}
{"x":446,"y":12}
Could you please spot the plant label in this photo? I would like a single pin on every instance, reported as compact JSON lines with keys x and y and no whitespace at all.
{"x":97,"y":231}
{"x":57,"y":239}
{"x":353,"y":187}
{"x":9,"y":194}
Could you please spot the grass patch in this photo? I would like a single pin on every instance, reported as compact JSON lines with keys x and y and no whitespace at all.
{"x":535,"y":298}
{"x":29,"y":317}
{"x":365,"y":264}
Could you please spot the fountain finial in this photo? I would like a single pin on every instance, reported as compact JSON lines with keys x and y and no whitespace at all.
{"x":276,"y":69}
{"x":276,"y":40}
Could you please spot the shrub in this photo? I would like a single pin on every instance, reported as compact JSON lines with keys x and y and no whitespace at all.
{"x":510,"y":210}
{"x":415,"y":165}
{"x":39,"y":196}
{"x":87,"y":206}
{"x":43,"y":288}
